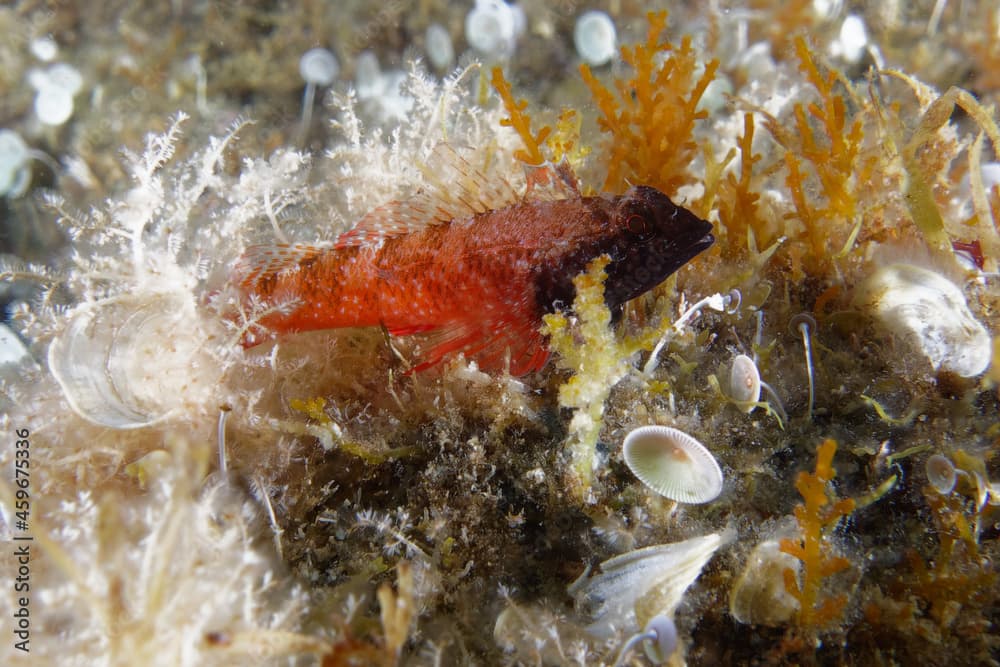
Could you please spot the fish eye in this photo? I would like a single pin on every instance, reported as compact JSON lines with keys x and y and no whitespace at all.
{"x":639,"y":226}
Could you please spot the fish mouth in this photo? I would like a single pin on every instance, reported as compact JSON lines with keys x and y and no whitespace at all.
{"x":695,"y":248}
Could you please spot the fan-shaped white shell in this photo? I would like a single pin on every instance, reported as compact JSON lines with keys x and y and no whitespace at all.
{"x":120,"y":362}
{"x":673,"y":464}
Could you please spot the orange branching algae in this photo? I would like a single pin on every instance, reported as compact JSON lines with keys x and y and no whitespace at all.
{"x":831,"y":151}
{"x":738,"y":202}
{"x":946,"y":593}
{"x":956,"y":576}
{"x":651,"y":120}
{"x":563,"y":142}
{"x":816,"y":516}
{"x":519,"y":121}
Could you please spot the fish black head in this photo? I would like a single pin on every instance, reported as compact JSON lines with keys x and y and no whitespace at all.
{"x":646,"y":236}
{"x":651,"y":237}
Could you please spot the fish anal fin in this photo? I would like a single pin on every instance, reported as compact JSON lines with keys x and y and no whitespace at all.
{"x":550,"y":182}
{"x":454,"y":190}
{"x":263,"y":264}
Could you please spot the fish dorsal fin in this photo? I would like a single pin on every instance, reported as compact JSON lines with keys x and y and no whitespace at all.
{"x":454,"y":190}
{"x":550,"y":182}
{"x":261,"y":264}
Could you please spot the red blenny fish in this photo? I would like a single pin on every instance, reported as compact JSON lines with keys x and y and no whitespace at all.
{"x":471,"y":264}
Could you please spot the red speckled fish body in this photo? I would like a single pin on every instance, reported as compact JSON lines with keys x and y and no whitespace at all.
{"x":475,"y":269}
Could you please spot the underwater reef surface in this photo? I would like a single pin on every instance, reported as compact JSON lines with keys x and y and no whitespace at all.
{"x":823,"y":487}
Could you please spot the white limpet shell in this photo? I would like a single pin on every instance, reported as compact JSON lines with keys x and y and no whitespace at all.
{"x":744,"y":383}
{"x":368,"y":81}
{"x":930,"y":310}
{"x":128,"y":361}
{"x":492,"y":28}
{"x":673,"y":464}
{"x":941,"y":473}
{"x":440,"y":50}
{"x":53,"y":106}
{"x":595,"y":38}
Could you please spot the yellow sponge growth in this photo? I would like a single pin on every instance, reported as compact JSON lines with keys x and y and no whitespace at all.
{"x":598,"y":363}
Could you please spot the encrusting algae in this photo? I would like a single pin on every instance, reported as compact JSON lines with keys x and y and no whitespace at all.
{"x":393,"y":471}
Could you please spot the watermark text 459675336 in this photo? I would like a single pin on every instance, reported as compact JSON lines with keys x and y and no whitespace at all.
{"x":22,"y":543}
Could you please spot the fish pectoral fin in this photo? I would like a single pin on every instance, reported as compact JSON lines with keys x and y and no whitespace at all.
{"x":455,"y":190}
{"x":409,"y":331}
{"x":440,"y":343}
{"x":261,"y":264}
{"x":489,"y":344}
{"x":522,"y":347}
{"x":550,"y":182}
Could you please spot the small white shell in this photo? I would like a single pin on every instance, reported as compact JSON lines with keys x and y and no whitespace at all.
{"x":673,"y":464}
{"x":368,"y":80}
{"x":492,"y":28}
{"x":744,"y":383}
{"x":759,"y":596}
{"x":850,"y":44}
{"x":126,"y":362}
{"x":65,"y":77}
{"x":595,"y":38}
{"x":53,"y":106}
{"x":14,"y":157}
{"x":941,"y":474}
{"x":440,"y":51}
